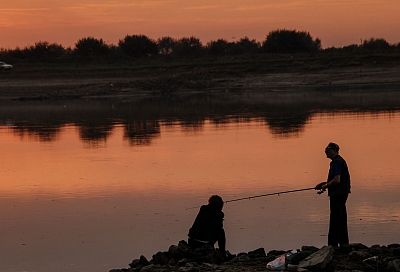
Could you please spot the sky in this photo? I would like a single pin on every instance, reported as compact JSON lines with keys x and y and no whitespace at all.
{"x":336,"y":23}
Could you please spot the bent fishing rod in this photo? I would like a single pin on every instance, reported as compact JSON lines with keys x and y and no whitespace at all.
{"x":263,"y":195}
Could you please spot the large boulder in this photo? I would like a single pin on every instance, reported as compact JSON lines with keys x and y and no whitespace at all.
{"x":318,"y":260}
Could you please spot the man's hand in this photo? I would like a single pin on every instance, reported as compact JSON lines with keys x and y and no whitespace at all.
{"x":321,"y":186}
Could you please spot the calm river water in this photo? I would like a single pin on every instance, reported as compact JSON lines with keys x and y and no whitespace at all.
{"x":93,"y":195}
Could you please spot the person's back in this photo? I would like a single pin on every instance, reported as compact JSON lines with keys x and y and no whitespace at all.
{"x":207,"y":225}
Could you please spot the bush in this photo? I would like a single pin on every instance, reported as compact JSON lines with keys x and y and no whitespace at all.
{"x":138,"y":46}
{"x":246,"y":46}
{"x":91,"y":47}
{"x":290,"y":41}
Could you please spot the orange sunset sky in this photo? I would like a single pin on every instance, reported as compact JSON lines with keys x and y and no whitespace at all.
{"x":338,"y":22}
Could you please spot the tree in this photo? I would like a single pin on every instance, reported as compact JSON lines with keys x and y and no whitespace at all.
{"x":138,"y":46}
{"x":166,"y":46}
{"x":188,"y":47}
{"x":91,"y":47}
{"x":375,"y":45}
{"x":246,"y":46}
{"x":219,"y":47}
{"x":290,"y":41}
{"x":45,"y":51}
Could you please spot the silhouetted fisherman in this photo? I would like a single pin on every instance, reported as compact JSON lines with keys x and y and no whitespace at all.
{"x":208,"y":227}
{"x":338,"y":185}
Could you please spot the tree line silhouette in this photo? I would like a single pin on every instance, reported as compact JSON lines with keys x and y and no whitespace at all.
{"x":140,"y":46}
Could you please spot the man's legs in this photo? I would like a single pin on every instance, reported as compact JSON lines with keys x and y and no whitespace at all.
{"x":333,"y":223}
{"x":343,"y":238}
{"x":338,"y":233}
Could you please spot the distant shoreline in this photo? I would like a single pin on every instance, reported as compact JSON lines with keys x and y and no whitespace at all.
{"x":220,"y":77}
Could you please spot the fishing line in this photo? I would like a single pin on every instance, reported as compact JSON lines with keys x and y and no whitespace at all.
{"x":263,"y":195}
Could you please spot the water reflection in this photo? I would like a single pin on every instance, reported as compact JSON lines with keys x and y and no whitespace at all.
{"x":94,"y":132}
{"x":142,"y":120}
{"x":45,"y":132}
{"x":139,"y":195}
{"x":141,"y":132}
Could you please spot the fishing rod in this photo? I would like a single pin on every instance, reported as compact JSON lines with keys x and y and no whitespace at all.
{"x":263,"y":195}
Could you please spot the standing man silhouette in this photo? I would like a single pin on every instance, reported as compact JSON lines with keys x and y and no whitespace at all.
{"x":338,"y":185}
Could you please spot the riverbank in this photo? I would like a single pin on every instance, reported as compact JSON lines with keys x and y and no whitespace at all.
{"x":355,"y":257}
{"x":257,"y":75}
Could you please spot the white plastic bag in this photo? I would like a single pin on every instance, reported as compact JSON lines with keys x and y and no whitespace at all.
{"x":281,"y":262}
{"x":277,"y":264}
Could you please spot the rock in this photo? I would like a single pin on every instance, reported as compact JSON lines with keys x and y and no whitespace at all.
{"x":160,"y":258}
{"x":396,"y":251}
{"x":142,"y":261}
{"x":175,"y":253}
{"x":229,"y":256}
{"x":189,"y":267}
{"x":241,"y":257}
{"x":372,"y":261}
{"x":291,"y":267}
{"x":393,"y":266}
{"x":357,"y":246}
{"x":309,"y":248}
{"x":276,"y":253}
{"x":394,"y":246}
{"x":299,"y":269}
{"x":148,"y":268}
{"x":299,"y":256}
{"x":172,"y":262}
{"x":182,"y":262}
{"x":359,"y":254}
{"x":183,"y":247}
{"x":258,"y":253}
{"x":378,"y":250}
{"x":318,"y":260}
{"x":202,"y":251}
{"x":182,"y":250}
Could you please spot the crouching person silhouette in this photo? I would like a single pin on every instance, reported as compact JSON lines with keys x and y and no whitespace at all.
{"x":208,"y":226}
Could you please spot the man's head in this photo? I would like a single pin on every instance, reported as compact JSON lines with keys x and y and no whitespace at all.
{"x":216,"y":202}
{"x":332,"y":150}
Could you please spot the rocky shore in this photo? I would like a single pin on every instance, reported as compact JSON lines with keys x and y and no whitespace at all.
{"x":355,"y":257}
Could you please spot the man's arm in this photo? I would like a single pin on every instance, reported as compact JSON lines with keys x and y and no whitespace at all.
{"x":335,"y":180}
